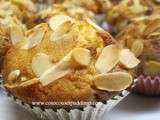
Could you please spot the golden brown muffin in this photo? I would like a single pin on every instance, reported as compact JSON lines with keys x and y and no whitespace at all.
{"x":13,"y":14}
{"x":67,"y":60}
{"x":142,"y":37}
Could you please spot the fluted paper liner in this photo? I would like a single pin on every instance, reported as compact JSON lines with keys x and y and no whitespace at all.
{"x":148,"y":85}
{"x":88,"y":113}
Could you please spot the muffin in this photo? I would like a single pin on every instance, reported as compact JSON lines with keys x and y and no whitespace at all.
{"x":13,"y":15}
{"x":142,"y":38}
{"x":121,"y":14}
{"x":67,"y":60}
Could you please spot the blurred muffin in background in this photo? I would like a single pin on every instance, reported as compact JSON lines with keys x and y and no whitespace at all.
{"x":10,"y":16}
{"x":143,"y":38}
{"x":67,"y":8}
{"x":15,"y":17}
{"x":121,"y":14}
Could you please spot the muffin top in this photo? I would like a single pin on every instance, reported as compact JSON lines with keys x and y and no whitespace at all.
{"x":67,"y":60}
{"x":142,"y":37}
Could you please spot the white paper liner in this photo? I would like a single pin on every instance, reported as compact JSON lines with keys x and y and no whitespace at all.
{"x":88,"y":113}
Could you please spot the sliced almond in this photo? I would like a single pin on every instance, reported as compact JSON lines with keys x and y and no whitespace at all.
{"x":34,"y":39}
{"x":115,"y":81}
{"x":152,"y":68}
{"x":152,"y":27}
{"x":94,"y":25}
{"x":82,"y":56}
{"x":57,"y":71}
{"x":29,"y":82}
{"x":16,"y":34}
{"x":23,"y":79}
{"x":137,"y":47}
{"x":61,"y":31}
{"x":28,"y":4}
{"x":13,"y":75}
{"x":107,"y":59}
{"x":58,"y":20}
{"x":40,"y":63}
{"x":98,"y":28}
{"x":128,"y":59}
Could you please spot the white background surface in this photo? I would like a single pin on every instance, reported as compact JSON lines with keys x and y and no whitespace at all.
{"x":132,"y":107}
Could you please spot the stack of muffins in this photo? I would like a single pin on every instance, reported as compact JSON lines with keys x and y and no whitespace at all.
{"x":54,"y":51}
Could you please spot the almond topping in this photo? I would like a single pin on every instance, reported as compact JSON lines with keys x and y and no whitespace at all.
{"x":128,"y":59}
{"x":61,"y":31}
{"x":115,"y":81}
{"x":77,"y":57}
{"x":107,"y":59}
{"x":81,"y":56}
{"x":98,"y":28}
{"x":40,"y":63}
{"x":58,"y":20}
{"x":29,"y":82}
{"x":16,"y":34}
{"x":152,"y":68}
{"x":137,"y":47}
{"x":57,"y":71}
{"x":13,"y":75}
{"x":34,"y":39}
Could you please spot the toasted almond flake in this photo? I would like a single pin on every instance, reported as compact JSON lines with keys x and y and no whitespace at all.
{"x":95,"y":25}
{"x":152,"y":68}
{"x":98,"y":28}
{"x":128,"y":59}
{"x":29,"y":82}
{"x":40,"y":63}
{"x":82,"y":56}
{"x":34,"y":39}
{"x":115,"y":81}
{"x":152,"y":27}
{"x":137,"y":47}
{"x":25,"y":3}
{"x":13,"y":75}
{"x":107,"y":59}
{"x":58,"y":20}
{"x":16,"y":34}
{"x":23,"y":79}
{"x":62,"y":68}
{"x":61,"y":31}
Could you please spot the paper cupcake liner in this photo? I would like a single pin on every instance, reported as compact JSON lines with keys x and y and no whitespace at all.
{"x":87,"y":113}
{"x":148,"y":85}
